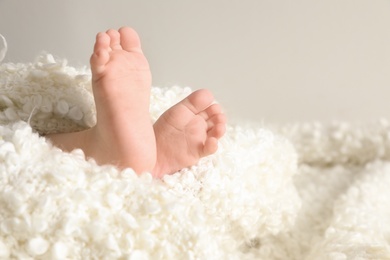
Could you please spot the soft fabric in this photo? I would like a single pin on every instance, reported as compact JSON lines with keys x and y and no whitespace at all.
{"x":303,"y":191}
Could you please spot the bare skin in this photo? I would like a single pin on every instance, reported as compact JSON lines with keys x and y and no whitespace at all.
{"x":124,"y":134}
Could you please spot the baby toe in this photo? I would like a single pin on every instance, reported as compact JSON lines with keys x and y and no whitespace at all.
{"x":215,"y":120}
{"x":102,"y":42}
{"x":130,"y":40}
{"x":210,"y":146}
{"x":217,"y":131}
{"x":115,"y":42}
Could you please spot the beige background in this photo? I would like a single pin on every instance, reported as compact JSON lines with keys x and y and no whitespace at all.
{"x":272,"y":60}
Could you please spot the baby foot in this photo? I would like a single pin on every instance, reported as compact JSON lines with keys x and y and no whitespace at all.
{"x":124,"y":135}
{"x":187,"y":132}
{"x":121,"y":82}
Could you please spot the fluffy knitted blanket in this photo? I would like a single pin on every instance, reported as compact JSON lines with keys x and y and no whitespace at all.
{"x":303,"y":191}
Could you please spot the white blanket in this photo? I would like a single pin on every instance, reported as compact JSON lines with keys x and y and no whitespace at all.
{"x":304,"y":191}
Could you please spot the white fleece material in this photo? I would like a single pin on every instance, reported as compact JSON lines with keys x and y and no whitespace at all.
{"x":302,"y":191}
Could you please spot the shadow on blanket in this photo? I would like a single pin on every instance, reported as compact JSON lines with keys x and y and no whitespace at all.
{"x":304,"y":191}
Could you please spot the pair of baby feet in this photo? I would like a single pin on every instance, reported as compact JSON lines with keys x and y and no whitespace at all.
{"x":124,"y":134}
